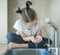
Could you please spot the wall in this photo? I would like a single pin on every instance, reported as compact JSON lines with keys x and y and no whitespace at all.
{"x":3,"y":20}
{"x":55,"y":14}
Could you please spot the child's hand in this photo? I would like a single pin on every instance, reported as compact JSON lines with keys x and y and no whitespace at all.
{"x":38,"y":39}
{"x":33,"y":39}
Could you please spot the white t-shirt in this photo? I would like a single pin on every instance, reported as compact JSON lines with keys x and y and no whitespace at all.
{"x":19,"y":26}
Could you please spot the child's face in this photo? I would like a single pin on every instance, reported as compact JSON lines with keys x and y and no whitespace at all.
{"x":31,"y":24}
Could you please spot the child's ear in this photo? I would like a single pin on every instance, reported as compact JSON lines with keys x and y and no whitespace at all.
{"x":17,"y":10}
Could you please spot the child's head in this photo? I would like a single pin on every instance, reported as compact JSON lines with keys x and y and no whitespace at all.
{"x":29,"y":16}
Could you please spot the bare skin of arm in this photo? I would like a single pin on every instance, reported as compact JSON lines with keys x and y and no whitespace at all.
{"x":39,"y":32}
{"x":25,"y":37}
{"x":38,"y":37}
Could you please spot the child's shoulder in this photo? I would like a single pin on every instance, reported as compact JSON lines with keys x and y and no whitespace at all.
{"x":18,"y":22}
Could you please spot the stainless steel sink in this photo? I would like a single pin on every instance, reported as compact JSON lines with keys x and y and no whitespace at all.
{"x":23,"y":52}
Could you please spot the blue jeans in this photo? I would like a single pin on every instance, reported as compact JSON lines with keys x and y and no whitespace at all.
{"x":44,"y":52}
{"x":12,"y":37}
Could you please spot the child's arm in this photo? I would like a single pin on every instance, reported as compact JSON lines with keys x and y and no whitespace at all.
{"x":24,"y":36}
{"x":39,"y":36}
{"x":39,"y":32}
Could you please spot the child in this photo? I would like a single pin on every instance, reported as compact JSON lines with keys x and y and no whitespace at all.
{"x":29,"y":30}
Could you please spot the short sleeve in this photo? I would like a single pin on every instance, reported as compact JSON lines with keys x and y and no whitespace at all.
{"x":18,"y":26}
